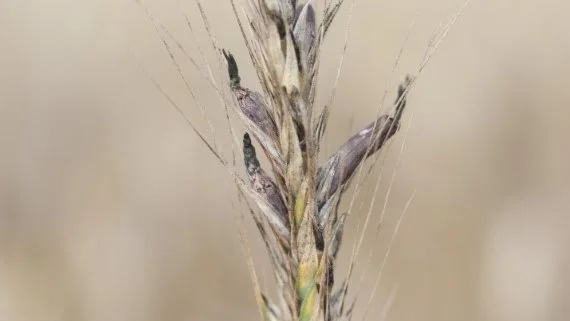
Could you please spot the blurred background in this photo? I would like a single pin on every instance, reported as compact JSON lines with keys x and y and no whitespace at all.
{"x":112,"y":209}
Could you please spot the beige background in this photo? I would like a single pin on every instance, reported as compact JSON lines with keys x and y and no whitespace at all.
{"x":111,"y":209}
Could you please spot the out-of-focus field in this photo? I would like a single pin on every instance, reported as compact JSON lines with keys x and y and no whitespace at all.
{"x":112,"y":209}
